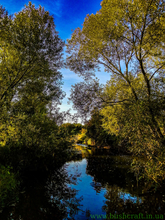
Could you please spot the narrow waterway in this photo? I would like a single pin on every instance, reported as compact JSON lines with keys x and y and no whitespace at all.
{"x":109,"y":190}
{"x":97,"y":186}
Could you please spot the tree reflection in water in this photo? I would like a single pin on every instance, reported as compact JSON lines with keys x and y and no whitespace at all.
{"x":119,"y":202}
{"x":123,"y":195}
{"x":45,"y":200}
{"x":106,"y":184}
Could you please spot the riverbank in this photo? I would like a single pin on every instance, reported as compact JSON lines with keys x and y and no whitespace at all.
{"x":110,"y":150}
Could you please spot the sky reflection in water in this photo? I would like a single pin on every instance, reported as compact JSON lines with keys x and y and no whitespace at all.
{"x":105,"y":184}
{"x":93,"y":192}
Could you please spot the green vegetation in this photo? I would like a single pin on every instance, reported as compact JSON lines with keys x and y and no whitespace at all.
{"x":8,"y":187}
{"x":31,"y":56}
{"x":97,"y":133}
{"x":71,"y":131}
{"x":94,"y":134}
{"x":127,"y":39}
{"x":30,"y":92}
{"x":128,"y":114}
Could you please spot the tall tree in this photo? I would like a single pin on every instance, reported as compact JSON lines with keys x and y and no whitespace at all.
{"x":30,"y":84}
{"x":32,"y":52}
{"x":127,"y":38}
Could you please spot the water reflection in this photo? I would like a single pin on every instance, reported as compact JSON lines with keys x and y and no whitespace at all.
{"x":45,"y":200}
{"x":92,"y":199}
{"x":115,"y":203}
{"x":95,"y":185}
{"x":108,"y":187}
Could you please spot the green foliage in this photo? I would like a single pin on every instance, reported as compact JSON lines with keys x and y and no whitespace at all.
{"x":126,"y":38}
{"x":8,"y":186}
{"x":82,"y":137}
{"x":71,"y":129}
{"x":96,"y":132}
{"x":30,"y":89}
{"x":31,"y":56}
{"x":133,"y":122}
{"x":36,"y":144}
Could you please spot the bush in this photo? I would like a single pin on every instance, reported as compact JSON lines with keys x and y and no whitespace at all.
{"x":8,"y":186}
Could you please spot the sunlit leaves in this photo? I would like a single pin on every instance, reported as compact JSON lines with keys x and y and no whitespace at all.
{"x":30,"y":89}
{"x":127,"y":38}
{"x":34,"y":50}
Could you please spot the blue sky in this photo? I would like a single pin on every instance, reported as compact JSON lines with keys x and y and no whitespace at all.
{"x":68,"y":15}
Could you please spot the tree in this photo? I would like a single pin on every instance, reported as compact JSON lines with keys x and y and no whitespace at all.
{"x":85,"y":96}
{"x":97,"y":133}
{"x":33,"y":51}
{"x":31,"y":56}
{"x":30,"y":86}
{"x":70,"y":130}
{"x":127,"y":43}
{"x":127,"y":38}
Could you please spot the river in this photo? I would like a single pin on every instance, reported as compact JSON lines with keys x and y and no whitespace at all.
{"x":97,"y":186}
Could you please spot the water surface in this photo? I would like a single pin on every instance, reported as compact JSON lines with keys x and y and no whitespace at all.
{"x":97,"y":186}
{"x":108,"y":187}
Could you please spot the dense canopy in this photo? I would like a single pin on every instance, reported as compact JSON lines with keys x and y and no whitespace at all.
{"x":127,"y":38}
